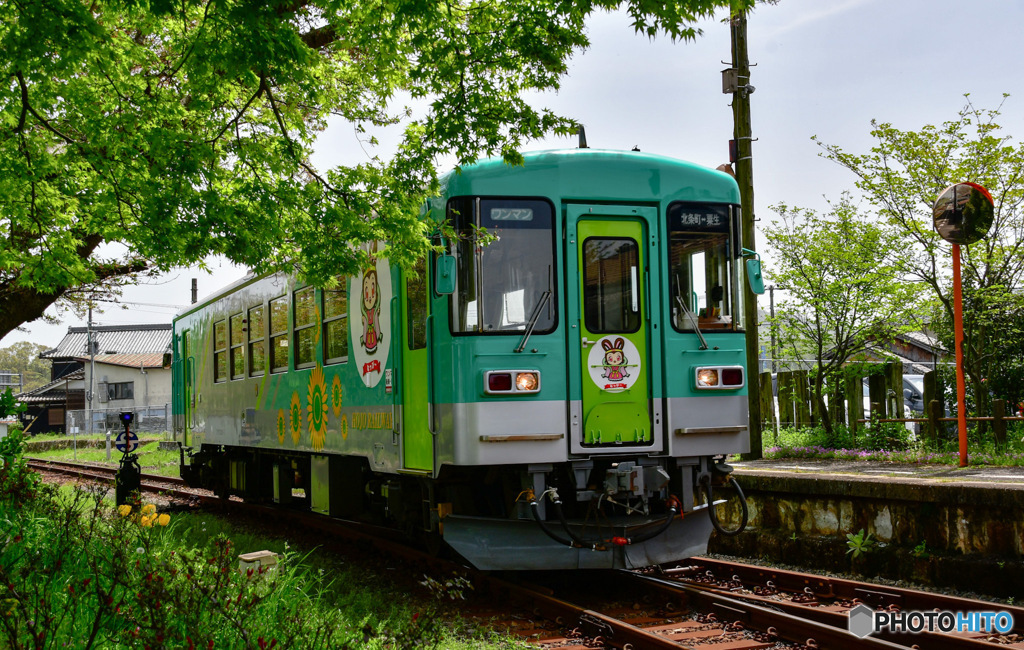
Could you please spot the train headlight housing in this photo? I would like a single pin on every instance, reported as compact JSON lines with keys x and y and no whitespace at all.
{"x":719,"y":377}
{"x":527,"y":381}
{"x":707,"y":378}
{"x":511,"y":382}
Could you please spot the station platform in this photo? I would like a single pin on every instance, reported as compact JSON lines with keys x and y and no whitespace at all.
{"x":980,"y":476}
{"x":937,"y":525}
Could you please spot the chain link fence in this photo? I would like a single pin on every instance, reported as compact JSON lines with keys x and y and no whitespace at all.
{"x":148,"y":419}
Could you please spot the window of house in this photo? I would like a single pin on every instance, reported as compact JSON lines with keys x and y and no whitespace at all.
{"x":336,"y":323}
{"x":279,"y":334}
{"x":237,"y":324}
{"x":257,"y":347}
{"x":305,"y":330}
{"x":220,"y":351}
{"x":122,"y":390}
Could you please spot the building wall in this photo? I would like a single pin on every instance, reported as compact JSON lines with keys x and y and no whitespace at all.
{"x":151,"y":387}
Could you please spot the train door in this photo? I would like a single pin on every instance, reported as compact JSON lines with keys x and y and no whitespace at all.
{"x":188,"y":367}
{"x":417,"y":441}
{"x":612,"y":299}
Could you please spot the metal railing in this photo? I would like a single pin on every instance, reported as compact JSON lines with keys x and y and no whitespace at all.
{"x":148,"y":419}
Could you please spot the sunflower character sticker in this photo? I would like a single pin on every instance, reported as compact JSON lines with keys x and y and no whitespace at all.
{"x":614,"y":364}
{"x":370,"y":320}
{"x":316,"y":408}
{"x":295,"y":418}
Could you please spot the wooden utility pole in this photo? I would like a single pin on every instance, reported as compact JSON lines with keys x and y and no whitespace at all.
{"x":741,"y":91}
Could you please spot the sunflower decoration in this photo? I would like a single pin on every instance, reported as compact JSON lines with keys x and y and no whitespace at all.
{"x":280,"y":426}
{"x":336,"y":396}
{"x":316,"y":408}
{"x":344,"y":427}
{"x":295,"y":415}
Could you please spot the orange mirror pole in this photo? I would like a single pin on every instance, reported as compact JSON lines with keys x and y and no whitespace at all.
{"x":958,"y":338}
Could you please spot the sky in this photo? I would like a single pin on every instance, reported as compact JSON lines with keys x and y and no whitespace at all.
{"x":824,"y":68}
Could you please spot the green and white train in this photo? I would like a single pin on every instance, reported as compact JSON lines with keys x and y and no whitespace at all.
{"x":560,"y":396}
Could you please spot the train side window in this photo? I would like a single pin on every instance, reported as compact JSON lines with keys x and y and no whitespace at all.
{"x":305,"y":331}
{"x":336,"y":323}
{"x":279,"y":334}
{"x":237,"y":326}
{"x":416,"y":305}
{"x":257,"y":349}
{"x":220,"y":351}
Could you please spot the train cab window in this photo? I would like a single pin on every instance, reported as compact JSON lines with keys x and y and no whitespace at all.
{"x":279,"y":334}
{"x":336,"y":323}
{"x":500,"y":284}
{"x":416,"y":305}
{"x":237,"y":327}
{"x":704,"y":268}
{"x":611,"y":285}
{"x":257,"y":349}
{"x":305,"y":328}
{"x":220,"y":351}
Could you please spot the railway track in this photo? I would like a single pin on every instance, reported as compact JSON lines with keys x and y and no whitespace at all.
{"x":169,"y":485}
{"x":698,"y":604}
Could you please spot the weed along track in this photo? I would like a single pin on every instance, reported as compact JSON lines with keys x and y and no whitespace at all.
{"x":699,"y":603}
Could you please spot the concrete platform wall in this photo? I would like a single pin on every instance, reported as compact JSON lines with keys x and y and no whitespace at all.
{"x":949,"y":534}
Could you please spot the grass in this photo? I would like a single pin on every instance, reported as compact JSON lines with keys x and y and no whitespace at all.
{"x":893,"y":444}
{"x":80,"y":574}
{"x":152,"y":460}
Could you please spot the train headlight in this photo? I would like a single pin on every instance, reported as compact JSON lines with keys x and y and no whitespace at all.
{"x":719,"y":378}
{"x":511,"y":382}
{"x":527,"y":381}
{"x":707,"y":378}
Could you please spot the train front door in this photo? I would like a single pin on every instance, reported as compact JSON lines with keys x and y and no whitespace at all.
{"x":417,"y":441}
{"x":614,"y":338}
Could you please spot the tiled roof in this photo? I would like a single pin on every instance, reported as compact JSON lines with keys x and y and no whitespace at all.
{"x":113,"y":340}
{"x":923,"y":340}
{"x":51,"y":392}
{"x":148,"y":360}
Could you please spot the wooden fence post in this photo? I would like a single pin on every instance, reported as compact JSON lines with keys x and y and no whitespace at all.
{"x":785,"y":380}
{"x":998,"y":423}
{"x":768,"y":405}
{"x":935,"y":411}
{"x":928,"y":395}
{"x":855,"y":401}
{"x":800,"y":394}
{"x":878,"y":394}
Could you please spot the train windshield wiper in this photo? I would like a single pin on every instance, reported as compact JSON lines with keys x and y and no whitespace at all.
{"x":693,"y":321}
{"x":544,"y":298}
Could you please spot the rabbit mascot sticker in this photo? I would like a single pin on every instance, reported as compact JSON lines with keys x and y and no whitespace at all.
{"x":614,"y":360}
{"x":610,"y":366}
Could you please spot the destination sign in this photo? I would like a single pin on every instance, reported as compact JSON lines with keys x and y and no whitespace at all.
{"x":701,"y":218}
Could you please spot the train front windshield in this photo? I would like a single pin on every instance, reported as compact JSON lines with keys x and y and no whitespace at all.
{"x":705,"y":266}
{"x":502,"y":283}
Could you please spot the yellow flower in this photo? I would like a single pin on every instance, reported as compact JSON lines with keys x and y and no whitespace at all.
{"x":163,"y":519}
{"x":148,"y":509}
{"x":147,"y":521}
{"x":124,"y":510}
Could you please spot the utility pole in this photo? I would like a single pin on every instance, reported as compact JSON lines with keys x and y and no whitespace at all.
{"x":92,"y":369}
{"x":741,"y":91}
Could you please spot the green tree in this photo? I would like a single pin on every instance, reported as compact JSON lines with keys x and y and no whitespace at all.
{"x":843,"y":291}
{"x":183,"y":129}
{"x":903,"y":174}
{"x":23,"y":358}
